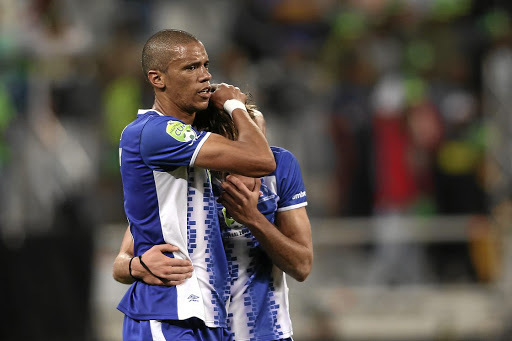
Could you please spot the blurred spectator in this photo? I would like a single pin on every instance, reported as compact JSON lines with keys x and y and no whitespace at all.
{"x":400,"y":173}
{"x":395,"y":186}
{"x":460,"y":158}
{"x":350,"y":130}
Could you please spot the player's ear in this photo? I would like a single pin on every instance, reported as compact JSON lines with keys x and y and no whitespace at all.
{"x":156,"y":79}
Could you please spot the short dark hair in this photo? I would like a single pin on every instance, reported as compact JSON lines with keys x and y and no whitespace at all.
{"x":156,"y":51}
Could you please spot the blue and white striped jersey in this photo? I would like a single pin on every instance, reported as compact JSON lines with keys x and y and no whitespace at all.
{"x":258,"y":306}
{"x":169,"y":200}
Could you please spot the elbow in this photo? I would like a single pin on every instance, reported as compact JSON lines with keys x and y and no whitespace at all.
{"x":258,"y":169}
{"x":300,"y":276}
{"x":302,"y":272}
{"x":271,"y":164}
{"x":267,"y":166}
{"x":116,"y":277}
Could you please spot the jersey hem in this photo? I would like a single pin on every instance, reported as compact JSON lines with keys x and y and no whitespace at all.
{"x":149,"y":317}
{"x":270,"y":337}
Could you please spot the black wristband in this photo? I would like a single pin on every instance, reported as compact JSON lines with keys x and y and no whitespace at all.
{"x":147,"y":269}
{"x":130,"y":269}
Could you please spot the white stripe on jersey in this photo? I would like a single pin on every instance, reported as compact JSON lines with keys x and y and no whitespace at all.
{"x":156,"y":330}
{"x":171,"y":188}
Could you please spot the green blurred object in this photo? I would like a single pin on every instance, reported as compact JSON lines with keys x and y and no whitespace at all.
{"x":122,"y":99}
{"x":424,"y":206}
{"x":420,"y":55}
{"x":350,"y":25}
{"x":7,"y":113}
{"x":495,"y":23}
{"x":458,"y":157}
{"x":415,"y":90}
{"x":446,"y":10}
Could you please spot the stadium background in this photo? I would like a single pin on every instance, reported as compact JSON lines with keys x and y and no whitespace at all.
{"x":398,"y":111}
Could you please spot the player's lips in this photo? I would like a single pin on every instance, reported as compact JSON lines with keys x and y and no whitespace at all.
{"x":205,"y":93}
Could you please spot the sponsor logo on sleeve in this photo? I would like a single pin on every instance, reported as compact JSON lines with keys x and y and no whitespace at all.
{"x":180,"y":131}
{"x":299,"y":195}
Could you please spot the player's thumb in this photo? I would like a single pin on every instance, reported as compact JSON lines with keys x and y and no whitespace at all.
{"x":167,"y":248}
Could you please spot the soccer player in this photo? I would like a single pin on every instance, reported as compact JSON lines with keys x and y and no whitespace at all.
{"x":258,"y":251}
{"x":168,"y":196}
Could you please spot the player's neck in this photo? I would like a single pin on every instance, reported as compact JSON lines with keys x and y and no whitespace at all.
{"x":171,"y":110}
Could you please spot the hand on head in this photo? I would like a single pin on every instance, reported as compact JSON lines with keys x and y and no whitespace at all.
{"x":223,"y":92}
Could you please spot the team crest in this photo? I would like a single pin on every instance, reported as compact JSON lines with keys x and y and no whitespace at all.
{"x":180,"y":131}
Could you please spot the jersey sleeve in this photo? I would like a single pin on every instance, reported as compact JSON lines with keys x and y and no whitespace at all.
{"x":167,"y":143}
{"x":290,"y":185}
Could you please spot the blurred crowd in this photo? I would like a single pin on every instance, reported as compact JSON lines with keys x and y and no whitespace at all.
{"x":383,"y":101}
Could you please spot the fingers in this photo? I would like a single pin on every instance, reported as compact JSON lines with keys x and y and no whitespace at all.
{"x":231,"y":195}
{"x":174,"y":280}
{"x":231,"y":187}
{"x":170,"y":275}
{"x":177,"y":270}
{"x":234,"y":184}
{"x":176,"y":275}
{"x":167,"y":248}
{"x":223,"y":85}
{"x":170,"y":261}
{"x":174,"y":283}
{"x":228,"y":90}
{"x":257,"y":185}
{"x":228,"y":201}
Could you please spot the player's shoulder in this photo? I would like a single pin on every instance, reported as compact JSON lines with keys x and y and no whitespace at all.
{"x":143,"y":117}
{"x":281,"y":152}
{"x":153,"y":120}
{"x":282,"y":155}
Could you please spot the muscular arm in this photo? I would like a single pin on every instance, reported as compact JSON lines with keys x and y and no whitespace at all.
{"x":250,"y":155}
{"x":174,"y":271}
{"x":288,"y":243}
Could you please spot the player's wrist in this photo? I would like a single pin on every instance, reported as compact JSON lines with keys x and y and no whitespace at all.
{"x":134,"y":273}
{"x":138,"y":271}
{"x":231,"y":104}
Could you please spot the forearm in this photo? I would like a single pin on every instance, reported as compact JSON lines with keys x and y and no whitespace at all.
{"x":127,"y":268}
{"x":250,"y":154}
{"x":254,"y":143}
{"x":122,"y":266}
{"x":120,"y":270}
{"x":164,"y":270}
{"x":294,"y":258}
